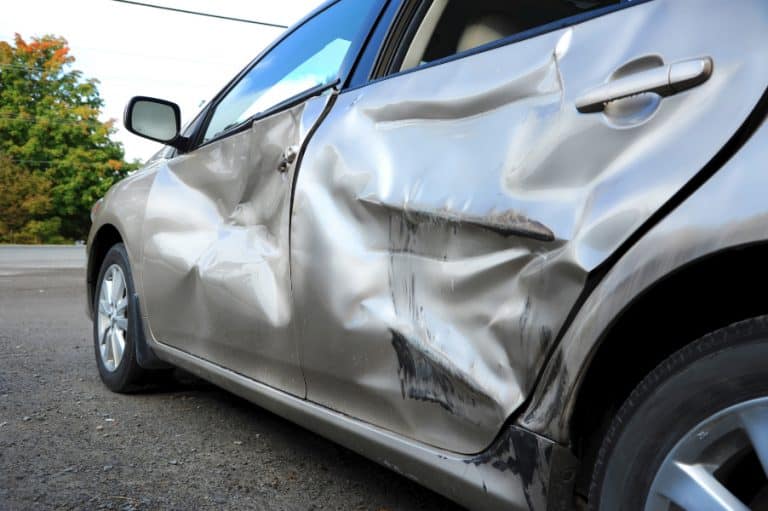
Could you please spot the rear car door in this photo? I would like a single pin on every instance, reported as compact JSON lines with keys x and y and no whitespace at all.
{"x":217,"y":280}
{"x":448,"y":213}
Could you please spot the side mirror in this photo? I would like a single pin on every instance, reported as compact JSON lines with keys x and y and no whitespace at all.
{"x":155,"y":119}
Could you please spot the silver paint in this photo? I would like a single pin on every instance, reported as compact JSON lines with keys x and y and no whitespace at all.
{"x":446,"y":219}
{"x":123,"y":209}
{"x":728,"y":211}
{"x":216,"y":263}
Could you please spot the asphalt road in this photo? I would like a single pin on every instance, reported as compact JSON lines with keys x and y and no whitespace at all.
{"x":66,"y":442}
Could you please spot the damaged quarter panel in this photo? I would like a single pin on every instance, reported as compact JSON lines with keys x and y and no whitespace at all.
{"x":216,"y":250}
{"x":445,"y":219}
{"x":123,"y":208}
{"x":693,"y":231}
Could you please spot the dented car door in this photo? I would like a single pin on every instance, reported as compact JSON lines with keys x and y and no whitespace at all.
{"x":446,"y":218}
{"x":216,"y":260}
{"x":216,"y":252}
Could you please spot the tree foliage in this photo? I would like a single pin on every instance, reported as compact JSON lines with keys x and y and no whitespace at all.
{"x":56,"y":156}
{"x":25,"y":206}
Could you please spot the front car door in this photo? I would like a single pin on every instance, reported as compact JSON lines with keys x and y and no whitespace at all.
{"x":447,"y":215}
{"x":217,"y":276}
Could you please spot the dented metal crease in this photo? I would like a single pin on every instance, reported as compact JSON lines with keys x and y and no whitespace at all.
{"x":440,"y":271}
{"x":216,"y":251}
{"x":456,"y":220}
{"x":505,"y":223}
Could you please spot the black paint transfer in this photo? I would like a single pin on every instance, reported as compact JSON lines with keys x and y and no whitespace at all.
{"x":424,"y":378}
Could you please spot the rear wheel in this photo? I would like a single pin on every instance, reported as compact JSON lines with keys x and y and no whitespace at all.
{"x":113,"y":331}
{"x":694,"y":434}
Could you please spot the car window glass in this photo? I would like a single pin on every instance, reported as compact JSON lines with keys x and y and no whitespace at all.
{"x":309,"y":57}
{"x":454,"y":26}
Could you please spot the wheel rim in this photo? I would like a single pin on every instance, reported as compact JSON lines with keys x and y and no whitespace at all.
{"x":693,"y":476}
{"x":112,"y":317}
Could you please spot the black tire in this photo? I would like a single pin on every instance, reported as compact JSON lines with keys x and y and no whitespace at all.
{"x":718,"y":371}
{"x":128,"y":375}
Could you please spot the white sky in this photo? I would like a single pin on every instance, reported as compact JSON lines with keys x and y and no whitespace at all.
{"x":136,"y":50}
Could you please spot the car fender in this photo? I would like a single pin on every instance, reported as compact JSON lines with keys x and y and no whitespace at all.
{"x":122,"y":208}
{"x":728,"y":211}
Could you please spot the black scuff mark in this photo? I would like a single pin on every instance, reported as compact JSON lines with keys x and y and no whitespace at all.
{"x":557,"y":379}
{"x":390,"y":275}
{"x":546,"y":337}
{"x":424,"y":377}
{"x":504,"y":223}
{"x":525,"y":319}
{"x":425,"y":374}
{"x":521,"y":454}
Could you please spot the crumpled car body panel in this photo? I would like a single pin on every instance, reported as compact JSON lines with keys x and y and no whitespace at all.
{"x":446,"y":220}
{"x":216,"y":263}
{"x":695,"y":231}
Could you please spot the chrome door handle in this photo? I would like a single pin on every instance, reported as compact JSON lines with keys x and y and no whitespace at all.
{"x":664,"y":81}
{"x":288,"y":157}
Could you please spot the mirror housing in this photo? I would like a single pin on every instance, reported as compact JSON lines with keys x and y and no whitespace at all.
{"x":155,"y":119}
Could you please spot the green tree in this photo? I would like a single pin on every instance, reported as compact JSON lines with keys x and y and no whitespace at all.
{"x":25,"y":206}
{"x":50,"y":130}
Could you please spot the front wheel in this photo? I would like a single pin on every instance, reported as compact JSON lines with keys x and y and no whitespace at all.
{"x":113,"y":331}
{"x":694,"y":434}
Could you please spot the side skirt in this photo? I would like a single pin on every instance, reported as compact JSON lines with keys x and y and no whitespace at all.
{"x":514,"y":473}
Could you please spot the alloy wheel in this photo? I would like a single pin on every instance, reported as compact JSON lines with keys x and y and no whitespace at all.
{"x":112,"y":317}
{"x":719,"y":465}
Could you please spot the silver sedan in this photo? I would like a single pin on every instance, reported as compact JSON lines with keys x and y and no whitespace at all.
{"x":507,"y":249}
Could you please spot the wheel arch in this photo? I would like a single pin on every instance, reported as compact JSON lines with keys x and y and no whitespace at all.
{"x":698,"y":298}
{"x":105,"y":238}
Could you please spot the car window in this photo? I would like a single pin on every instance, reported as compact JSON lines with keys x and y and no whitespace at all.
{"x":309,"y":57}
{"x":449,"y":27}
